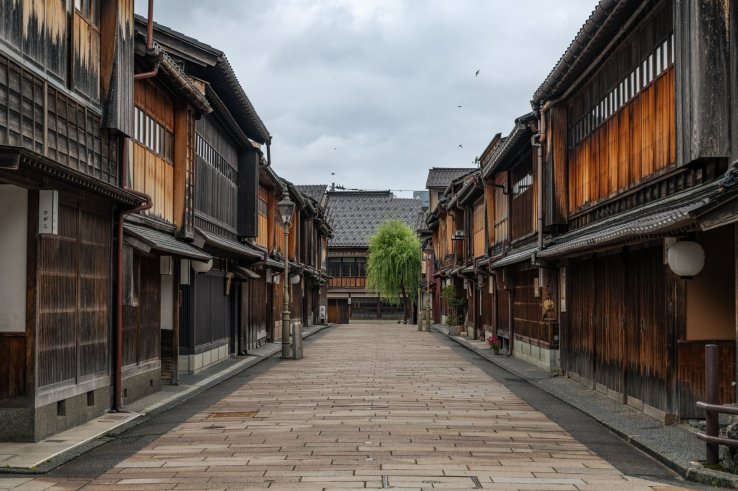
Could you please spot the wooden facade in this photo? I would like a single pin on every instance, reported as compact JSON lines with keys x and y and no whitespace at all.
{"x":622,"y":142}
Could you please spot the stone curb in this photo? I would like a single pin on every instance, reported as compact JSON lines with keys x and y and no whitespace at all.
{"x":693,"y":471}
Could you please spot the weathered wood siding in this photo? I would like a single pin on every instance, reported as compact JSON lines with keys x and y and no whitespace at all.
{"x":116,"y":64}
{"x":73,"y":135}
{"x":141,"y":308}
{"x":478,"y":223}
{"x":556,"y":170}
{"x":623,"y":316}
{"x":262,"y":238}
{"x":86,"y":52}
{"x":621,"y":123}
{"x":38,"y":31}
{"x":155,"y":177}
{"x":153,"y":151}
{"x":523,"y":211}
{"x":501,"y":206}
{"x":73,"y":303}
{"x":216,"y":181}
{"x":704,"y":79}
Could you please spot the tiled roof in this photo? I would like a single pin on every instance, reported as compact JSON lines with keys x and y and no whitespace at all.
{"x":603,"y":25}
{"x":441,"y":177}
{"x":356,"y":215}
{"x":314,"y":191}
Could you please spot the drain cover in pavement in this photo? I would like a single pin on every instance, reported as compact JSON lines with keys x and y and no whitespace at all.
{"x":242,"y":414}
{"x":432,"y":482}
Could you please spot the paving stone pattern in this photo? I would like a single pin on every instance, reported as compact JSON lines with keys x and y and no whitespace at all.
{"x":369,"y":406}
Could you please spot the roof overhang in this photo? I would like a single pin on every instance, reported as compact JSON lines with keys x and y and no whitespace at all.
{"x":227,"y":246}
{"x":17,"y":163}
{"x":146,"y":238}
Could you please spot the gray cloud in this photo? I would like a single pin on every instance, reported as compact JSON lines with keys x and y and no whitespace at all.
{"x":369,"y":89}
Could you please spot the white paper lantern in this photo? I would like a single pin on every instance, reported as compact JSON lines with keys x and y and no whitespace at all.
{"x":202,"y":266}
{"x":686,"y":258}
{"x":295,"y":279}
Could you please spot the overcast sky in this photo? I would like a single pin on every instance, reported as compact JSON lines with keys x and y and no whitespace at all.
{"x":370,"y":89}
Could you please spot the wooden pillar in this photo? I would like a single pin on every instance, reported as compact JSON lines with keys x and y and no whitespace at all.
{"x":175,"y":319}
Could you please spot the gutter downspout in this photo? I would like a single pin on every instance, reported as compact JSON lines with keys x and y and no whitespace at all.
{"x":118,"y":382}
{"x":535,"y":141}
{"x":149,"y":44}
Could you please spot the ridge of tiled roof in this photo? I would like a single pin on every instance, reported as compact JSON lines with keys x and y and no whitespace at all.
{"x":441,"y":177}
{"x":356,"y":215}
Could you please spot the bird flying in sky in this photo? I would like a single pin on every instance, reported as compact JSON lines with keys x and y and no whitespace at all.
{"x":477,"y":74}
{"x":460,"y":146}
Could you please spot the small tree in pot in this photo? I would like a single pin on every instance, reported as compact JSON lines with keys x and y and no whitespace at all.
{"x":455,"y":305}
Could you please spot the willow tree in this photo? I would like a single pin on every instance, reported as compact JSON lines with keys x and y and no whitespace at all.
{"x":393,"y":268}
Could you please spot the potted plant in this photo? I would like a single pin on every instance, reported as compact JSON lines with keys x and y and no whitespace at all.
{"x":495,"y":343}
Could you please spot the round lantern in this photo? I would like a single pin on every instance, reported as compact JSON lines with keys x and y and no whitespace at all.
{"x":686,"y":258}
{"x":295,"y":279}
{"x":202,"y":266}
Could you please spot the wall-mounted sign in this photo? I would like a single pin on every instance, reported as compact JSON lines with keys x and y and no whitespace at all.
{"x":48,"y":211}
{"x":549,"y":284}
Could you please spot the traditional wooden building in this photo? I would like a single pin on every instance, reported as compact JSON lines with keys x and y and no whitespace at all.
{"x":314,"y":236}
{"x":226,"y":145}
{"x":160,"y":166}
{"x":66,"y":86}
{"x":523,"y":289}
{"x":354,"y":217}
{"x":450,"y":239}
{"x":635,"y":122}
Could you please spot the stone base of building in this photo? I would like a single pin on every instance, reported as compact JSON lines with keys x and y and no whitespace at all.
{"x":141,"y":381}
{"x":34,"y":424}
{"x":546,"y":358}
{"x":194,"y":363}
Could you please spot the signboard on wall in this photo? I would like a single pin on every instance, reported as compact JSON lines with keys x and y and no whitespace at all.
{"x":549,"y":284}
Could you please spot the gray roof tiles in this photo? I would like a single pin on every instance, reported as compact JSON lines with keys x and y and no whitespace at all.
{"x":441,"y":177}
{"x":356,"y":215}
{"x":314,"y":191}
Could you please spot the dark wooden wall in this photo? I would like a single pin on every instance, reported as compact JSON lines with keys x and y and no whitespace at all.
{"x":73,"y":311}
{"x":523,"y":211}
{"x":73,"y":135}
{"x":216,"y":178}
{"x":141,"y":309}
{"x":213,"y":309}
{"x":258,"y":316}
{"x":691,"y":375}
{"x":624,"y":313}
{"x":528,"y":311}
{"x":13,"y":367}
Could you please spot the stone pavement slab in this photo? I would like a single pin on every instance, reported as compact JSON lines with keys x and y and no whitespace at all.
{"x":55,"y":450}
{"x":674,"y":445}
{"x":369,"y":406}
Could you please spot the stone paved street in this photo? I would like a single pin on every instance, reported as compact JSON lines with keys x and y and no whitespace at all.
{"x":370,"y":406}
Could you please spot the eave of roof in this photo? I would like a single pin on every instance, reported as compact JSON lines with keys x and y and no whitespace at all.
{"x":604,"y":23}
{"x":510,"y":143}
{"x":213,"y":66}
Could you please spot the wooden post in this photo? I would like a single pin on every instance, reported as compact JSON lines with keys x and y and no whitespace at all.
{"x":711,"y":389}
{"x":176,"y":273}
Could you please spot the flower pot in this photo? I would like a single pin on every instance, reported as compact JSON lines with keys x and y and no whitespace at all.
{"x":496,"y":350}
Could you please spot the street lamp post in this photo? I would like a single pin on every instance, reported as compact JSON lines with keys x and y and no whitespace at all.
{"x":285,"y":207}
